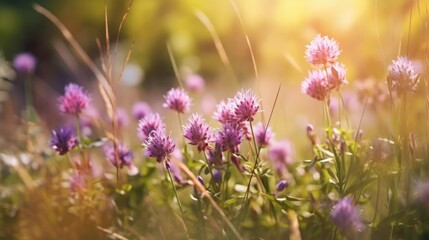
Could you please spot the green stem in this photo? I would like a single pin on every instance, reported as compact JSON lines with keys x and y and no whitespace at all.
{"x":377,"y":200}
{"x":226,"y":178}
{"x":28,"y":92}
{"x":273,"y":212}
{"x":201,"y":215}
{"x":181,"y":127}
{"x":212,"y":182}
{"x":174,"y":190}
{"x":78,"y":131}
{"x":328,"y":115}
{"x":182,"y":217}
{"x":245,"y":204}
{"x":80,"y":145}
{"x":344,"y":108}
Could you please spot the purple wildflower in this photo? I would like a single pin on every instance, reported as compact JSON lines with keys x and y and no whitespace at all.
{"x":151,"y":122}
{"x":178,"y":100}
{"x":402,"y":76}
{"x":336,"y":76}
{"x":346,"y":216}
{"x":315,"y":85}
{"x":280,"y":155}
{"x":124,"y":155}
{"x":322,"y":51}
{"x":63,"y":140}
{"x":194,"y":82}
{"x":159,"y":145}
{"x":229,"y":138}
{"x":246,"y":105}
{"x":263,"y":135}
{"x":74,"y":101}
{"x":141,"y":109}
{"x":25,"y":63}
{"x":224,"y":112}
{"x":197,"y":132}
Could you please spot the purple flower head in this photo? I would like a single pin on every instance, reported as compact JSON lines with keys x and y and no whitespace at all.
{"x":141,"y":109}
{"x":322,"y":50}
{"x":178,"y":100}
{"x":402,"y":76}
{"x":246,"y":105}
{"x":159,"y":145}
{"x":194,"y":82}
{"x":263,"y":135}
{"x":346,"y":216}
{"x":197,"y":132}
{"x":63,"y":140}
{"x":122,"y":118}
{"x":315,"y":85}
{"x":230,"y":137}
{"x":336,"y":76}
{"x":151,"y":122}
{"x":74,"y":101}
{"x":224,"y":112}
{"x":280,"y":153}
{"x":124,"y":155}
{"x":25,"y":63}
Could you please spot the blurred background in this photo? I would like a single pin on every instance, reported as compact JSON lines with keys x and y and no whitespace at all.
{"x":370,"y":33}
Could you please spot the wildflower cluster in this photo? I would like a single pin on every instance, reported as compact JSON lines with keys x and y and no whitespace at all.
{"x":402,"y":76}
{"x":224,"y":173}
{"x":329,"y":74}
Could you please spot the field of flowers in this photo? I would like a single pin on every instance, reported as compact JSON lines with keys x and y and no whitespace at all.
{"x":338,"y":151}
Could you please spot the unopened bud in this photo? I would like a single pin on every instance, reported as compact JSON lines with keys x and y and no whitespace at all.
{"x":217,"y":176}
{"x":282,"y":185}
{"x":200,"y":179}
{"x":311,"y":134}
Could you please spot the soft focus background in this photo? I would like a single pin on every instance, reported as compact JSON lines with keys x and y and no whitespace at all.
{"x":370,"y":33}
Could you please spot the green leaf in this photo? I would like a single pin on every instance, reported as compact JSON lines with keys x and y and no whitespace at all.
{"x":325,"y":160}
{"x":359,"y":185}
